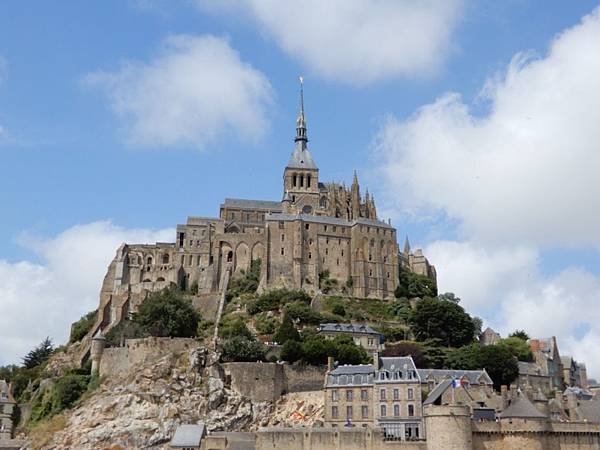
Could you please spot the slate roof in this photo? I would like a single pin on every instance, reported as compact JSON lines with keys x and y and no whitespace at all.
{"x":351,"y":375}
{"x":392,"y":363}
{"x":301,"y":158}
{"x":589,"y":410}
{"x":347,"y":328}
{"x":266,"y":205}
{"x":472,"y":376}
{"x":188,"y":436}
{"x":437,"y":392}
{"x":521,"y":408}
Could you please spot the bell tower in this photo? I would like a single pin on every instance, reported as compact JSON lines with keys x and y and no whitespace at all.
{"x":301,"y":175}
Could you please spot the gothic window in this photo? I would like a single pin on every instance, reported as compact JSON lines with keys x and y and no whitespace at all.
{"x":301,"y":180}
{"x":308,"y":179}
{"x":323,"y":202}
{"x":230,"y":256}
{"x":181,"y":239}
{"x":307,"y":209}
{"x":191,"y":262}
{"x":324,"y":227}
{"x":165,"y":259}
{"x":149,"y":260}
{"x":294,"y":180}
{"x":282,"y":251}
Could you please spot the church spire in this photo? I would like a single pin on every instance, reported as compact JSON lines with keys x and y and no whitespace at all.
{"x":301,"y":121}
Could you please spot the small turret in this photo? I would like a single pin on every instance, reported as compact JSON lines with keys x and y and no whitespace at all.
{"x":96,"y":351}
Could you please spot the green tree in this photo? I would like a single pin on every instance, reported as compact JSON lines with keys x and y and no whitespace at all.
{"x":499,"y":363}
{"x":82,"y":327}
{"x":521,"y":334}
{"x":241,"y":349}
{"x":444,"y":320}
{"x":167,"y":313}
{"x":316,"y":349}
{"x":497,"y":360}
{"x":39,"y":355}
{"x":287,"y":331}
{"x":272,"y":300}
{"x":291,"y":351}
{"x":413,"y":285}
{"x":402,"y":310}
{"x":519,"y":348}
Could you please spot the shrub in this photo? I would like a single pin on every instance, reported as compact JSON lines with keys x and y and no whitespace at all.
{"x":248,"y":283}
{"x":274,"y":299}
{"x":407,"y":348}
{"x":287,"y":331}
{"x":167,"y":313}
{"x":302,"y":313}
{"x":241,"y":349}
{"x":83,"y":326}
{"x":265,"y":324}
{"x":234,"y":328}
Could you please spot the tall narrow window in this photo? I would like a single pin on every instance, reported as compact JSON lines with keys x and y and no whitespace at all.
{"x":411,"y":393}
{"x":295,"y":180}
{"x":301,"y":180}
{"x":396,"y":410}
{"x":382,"y":394}
{"x":364,"y":412}
{"x":411,"y":410}
{"x":349,"y":412}
{"x":282,"y":251}
{"x":334,"y":412}
{"x":308,"y":178}
{"x":349,"y":395}
{"x":383,"y":411}
{"x":334,"y":395}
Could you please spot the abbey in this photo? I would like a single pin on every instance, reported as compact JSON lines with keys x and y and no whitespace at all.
{"x":317,"y":230}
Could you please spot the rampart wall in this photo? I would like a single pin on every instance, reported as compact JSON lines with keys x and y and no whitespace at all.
{"x":261,"y":382}
{"x":119,"y":360}
{"x":304,"y":378}
{"x":329,"y":439}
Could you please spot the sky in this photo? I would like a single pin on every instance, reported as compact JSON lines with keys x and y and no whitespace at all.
{"x":473,"y":123}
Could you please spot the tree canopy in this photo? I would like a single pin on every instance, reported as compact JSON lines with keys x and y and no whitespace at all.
{"x":415,"y":285}
{"x":444,"y":320}
{"x":519,"y":348}
{"x":39,"y":355}
{"x":167,"y":313}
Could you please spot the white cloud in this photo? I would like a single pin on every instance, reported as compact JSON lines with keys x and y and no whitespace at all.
{"x":41,"y":299}
{"x":355,"y":41}
{"x":506,"y":287}
{"x":527,"y":170}
{"x":517,"y":178}
{"x":194,"y":90}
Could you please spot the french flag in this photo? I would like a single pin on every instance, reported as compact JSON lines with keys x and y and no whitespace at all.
{"x":456,"y":383}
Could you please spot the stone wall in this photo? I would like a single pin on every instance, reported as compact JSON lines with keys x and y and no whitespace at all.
{"x":261,"y":382}
{"x":329,"y":439}
{"x":118,"y":360}
{"x":304,"y":378}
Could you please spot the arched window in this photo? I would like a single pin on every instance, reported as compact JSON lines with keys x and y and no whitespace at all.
{"x":165,"y":258}
{"x":308,"y":178}
{"x":301,"y":180}
{"x":323,"y":202}
{"x":149,"y":260}
{"x":230,"y":256}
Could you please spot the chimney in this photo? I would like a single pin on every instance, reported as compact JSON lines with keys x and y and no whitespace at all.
{"x":329,"y":363}
{"x":376,"y":361}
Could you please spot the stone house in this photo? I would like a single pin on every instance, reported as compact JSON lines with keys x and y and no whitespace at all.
{"x":489,"y":337}
{"x":7,"y":405}
{"x":386,"y":394}
{"x":363,"y":335}
{"x":547,"y":357}
{"x":574,"y":373}
{"x":317,"y":228}
{"x":531,"y":374}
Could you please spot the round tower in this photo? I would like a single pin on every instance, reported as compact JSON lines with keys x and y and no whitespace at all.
{"x":448,"y":427}
{"x":96,"y":350}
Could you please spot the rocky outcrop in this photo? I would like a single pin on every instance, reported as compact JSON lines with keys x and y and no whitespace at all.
{"x":142,"y":409}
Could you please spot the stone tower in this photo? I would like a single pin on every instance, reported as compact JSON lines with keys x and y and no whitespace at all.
{"x":448,"y":427}
{"x":301,"y":175}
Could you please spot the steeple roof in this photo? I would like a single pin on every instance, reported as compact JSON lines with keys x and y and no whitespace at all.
{"x":301,"y":157}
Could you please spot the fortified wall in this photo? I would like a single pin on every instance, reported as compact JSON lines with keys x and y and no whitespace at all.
{"x":446,"y":428}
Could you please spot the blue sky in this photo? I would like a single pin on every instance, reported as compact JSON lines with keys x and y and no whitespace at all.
{"x":84,"y":158}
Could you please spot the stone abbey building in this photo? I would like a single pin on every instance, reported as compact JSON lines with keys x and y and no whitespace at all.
{"x":317,"y":228}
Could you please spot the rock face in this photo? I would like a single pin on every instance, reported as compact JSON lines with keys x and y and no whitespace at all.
{"x":142,"y":409}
